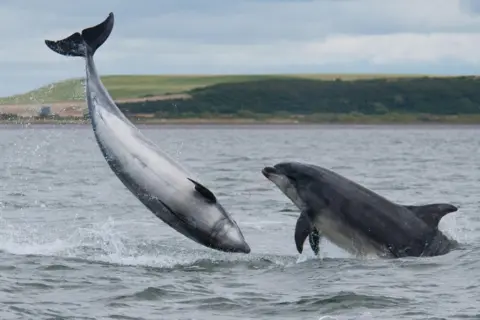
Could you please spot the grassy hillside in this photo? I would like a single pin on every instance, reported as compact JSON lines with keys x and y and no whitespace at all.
{"x":141,"y":86}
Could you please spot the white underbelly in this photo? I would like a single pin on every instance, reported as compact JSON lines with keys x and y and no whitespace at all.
{"x":345,"y":237}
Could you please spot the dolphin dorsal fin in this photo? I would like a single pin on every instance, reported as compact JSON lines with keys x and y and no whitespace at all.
{"x":431,"y":214}
{"x":304,"y":229}
{"x":207,"y":194}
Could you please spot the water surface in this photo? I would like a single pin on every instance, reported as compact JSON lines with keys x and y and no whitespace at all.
{"x":76,"y":244}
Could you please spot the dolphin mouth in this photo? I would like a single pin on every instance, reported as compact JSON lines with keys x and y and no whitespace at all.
{"x":268,"y":171}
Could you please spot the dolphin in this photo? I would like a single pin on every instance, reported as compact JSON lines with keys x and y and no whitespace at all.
{"x":162,"y":185}
{"x":357,"y":219}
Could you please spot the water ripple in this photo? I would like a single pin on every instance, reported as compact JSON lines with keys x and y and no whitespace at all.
{"x":75,"y":244}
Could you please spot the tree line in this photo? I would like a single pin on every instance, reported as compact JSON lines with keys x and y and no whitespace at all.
{"x":442,"y":96}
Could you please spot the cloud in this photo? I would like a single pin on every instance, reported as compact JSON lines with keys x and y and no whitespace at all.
{"x":248,"y":36}
{"x":470,"y":6}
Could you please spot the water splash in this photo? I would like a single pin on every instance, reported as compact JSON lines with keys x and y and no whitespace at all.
{"x":103,"y":242}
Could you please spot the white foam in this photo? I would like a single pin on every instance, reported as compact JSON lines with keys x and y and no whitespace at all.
{"x":104,"y":242}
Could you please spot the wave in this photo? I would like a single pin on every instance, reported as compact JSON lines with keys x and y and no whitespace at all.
{"x":102,"y":243}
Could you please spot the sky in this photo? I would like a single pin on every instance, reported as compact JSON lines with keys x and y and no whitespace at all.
{"x":241,"y":37}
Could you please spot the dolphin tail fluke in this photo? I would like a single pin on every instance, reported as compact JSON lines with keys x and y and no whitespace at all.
{"x":86,"y":43}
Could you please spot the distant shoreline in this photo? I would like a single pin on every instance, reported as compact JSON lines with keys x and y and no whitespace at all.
{"x":261,"y":100}
{"x":343,"y":120}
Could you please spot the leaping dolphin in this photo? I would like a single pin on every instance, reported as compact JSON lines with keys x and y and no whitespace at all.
{"x":162,"y":185}
{"x":357,"y":219}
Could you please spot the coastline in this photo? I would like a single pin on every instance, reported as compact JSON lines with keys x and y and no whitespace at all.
{"x":347,"y":119}
{"x":210,"y":101}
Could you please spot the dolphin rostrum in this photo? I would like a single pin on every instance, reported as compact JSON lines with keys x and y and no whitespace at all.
{"x":162,"y":185}
{"x":357,"y":219}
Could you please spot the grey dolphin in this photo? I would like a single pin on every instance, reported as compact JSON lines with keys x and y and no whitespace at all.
{"x":355,"y":218}
{"x":162,"y":185}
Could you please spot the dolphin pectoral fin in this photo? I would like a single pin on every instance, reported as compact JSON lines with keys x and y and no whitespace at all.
{"x":207,"y":194}
{"x":303,"y":229}
{"x":314,"y":239}
{"x":431,"y":214}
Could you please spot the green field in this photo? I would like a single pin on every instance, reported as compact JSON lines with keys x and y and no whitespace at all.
{"x":141,"y":86}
